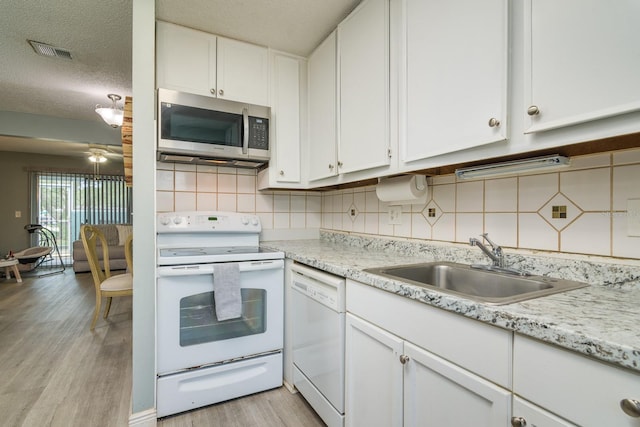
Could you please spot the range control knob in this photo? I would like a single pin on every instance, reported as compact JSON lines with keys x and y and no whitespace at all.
{"x":165,"y":220}
{"x":177,"y":220}
{"x":244,"y":220}
{"x":254,"y":221}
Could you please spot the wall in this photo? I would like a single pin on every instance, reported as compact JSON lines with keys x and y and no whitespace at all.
{"x":517,"y":212}
{"x":14,"y":176}
{"x":191,"y":187}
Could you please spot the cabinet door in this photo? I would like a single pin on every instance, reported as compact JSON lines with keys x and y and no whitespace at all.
{"x":363,"y":40}
{"x":373,"y":376}
{"x":454,"y":80}
{"x":533,"y":415}
{"x":243,"y":72}
{"x":581,"y":61}
{"x":439,"y":393}
{"x":321,"y":69}
{"x":186,"y":59}
{"x":285,"y":118}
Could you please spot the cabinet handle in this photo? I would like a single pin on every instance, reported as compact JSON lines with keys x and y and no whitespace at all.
{"x":281,"y":173}
{"x":493,"y":122}
{"x":630,"y":407}
{"x":404,"y":358}
{"x":339,"y":164}
{"x":221,"y":92}
{"x":518,"y":422}
{"x":330,"y":167}
{"x":533,"y":110}
{"x":213,"y":91}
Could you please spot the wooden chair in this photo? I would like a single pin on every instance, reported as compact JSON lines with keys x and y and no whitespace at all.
{"x":107,"y":286}
{"x":128,"y":253}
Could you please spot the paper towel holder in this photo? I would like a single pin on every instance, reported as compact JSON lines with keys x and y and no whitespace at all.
{"x":403,"y":190}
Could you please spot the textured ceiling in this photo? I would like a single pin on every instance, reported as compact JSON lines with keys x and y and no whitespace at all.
{"x":294,"y":26}
{"x":98,"y":34}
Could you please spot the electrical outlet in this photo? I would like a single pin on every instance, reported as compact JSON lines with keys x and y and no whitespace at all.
{"x":395,"y":215}
{"x":18,"y":214}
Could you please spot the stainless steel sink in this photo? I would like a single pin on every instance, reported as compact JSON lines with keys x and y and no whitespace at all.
{"x":482,"y":285}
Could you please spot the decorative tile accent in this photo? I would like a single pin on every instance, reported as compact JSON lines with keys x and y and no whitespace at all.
{"x":559,"y":212}
{"x":432,"y":212}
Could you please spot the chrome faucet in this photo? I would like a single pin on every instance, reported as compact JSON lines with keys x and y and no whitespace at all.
{"x":497,"y":257}
{"x":496,"y":254}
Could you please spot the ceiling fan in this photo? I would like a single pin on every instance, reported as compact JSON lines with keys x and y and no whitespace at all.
{"x":101,"y":153}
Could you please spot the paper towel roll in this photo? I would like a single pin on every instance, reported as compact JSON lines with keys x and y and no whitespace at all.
{"x":403,"y":190}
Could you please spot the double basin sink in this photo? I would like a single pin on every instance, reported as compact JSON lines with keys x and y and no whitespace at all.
{"x":484,"y":285}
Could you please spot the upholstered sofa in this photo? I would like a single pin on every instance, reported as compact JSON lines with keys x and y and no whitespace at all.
{"x":116,"y":234}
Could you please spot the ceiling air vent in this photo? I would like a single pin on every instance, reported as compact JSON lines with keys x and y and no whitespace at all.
{"x":48,"y":50}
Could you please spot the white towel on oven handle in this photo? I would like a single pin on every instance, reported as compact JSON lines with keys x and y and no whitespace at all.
{"x":226,"y":291}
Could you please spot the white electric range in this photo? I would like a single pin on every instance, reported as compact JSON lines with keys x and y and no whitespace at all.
{"x":202,"y":360}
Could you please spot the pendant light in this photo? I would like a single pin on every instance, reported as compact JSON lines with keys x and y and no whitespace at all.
{"x":111,"y":115}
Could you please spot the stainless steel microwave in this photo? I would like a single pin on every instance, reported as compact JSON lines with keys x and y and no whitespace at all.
{"x":204,"y":130}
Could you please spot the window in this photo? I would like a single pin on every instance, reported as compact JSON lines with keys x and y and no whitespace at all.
{"x":62,"y":202}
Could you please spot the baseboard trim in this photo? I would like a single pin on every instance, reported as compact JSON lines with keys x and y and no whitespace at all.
{"x":146,"y":418}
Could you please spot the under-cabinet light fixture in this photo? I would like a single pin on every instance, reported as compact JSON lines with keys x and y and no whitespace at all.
{"x":515,"y":167}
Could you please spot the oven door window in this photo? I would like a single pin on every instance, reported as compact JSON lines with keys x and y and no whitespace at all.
{"x":183,"y":123}
{"x":198,"y":322}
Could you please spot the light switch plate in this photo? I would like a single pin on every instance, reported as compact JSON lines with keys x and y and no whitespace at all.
{"x":18,"y":214}
{"x":633,"y":217}
{"x":395,"y":215}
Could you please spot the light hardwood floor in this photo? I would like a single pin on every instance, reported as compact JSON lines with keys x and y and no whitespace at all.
{"x":55,"y":372}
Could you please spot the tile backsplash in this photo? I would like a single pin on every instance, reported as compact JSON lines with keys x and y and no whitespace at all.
{"x":581,"y":209}
{"x":199,"y":188}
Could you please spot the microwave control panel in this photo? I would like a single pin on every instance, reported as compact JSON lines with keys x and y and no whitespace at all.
{"x":258,"y":133}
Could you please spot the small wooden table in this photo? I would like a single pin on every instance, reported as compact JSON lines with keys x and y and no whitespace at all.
{"x":9,"y":265}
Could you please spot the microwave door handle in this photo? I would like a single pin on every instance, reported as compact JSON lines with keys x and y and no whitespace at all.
{"x":245,"y":136}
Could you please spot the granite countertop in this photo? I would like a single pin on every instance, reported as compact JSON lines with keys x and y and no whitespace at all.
{"x":600,"y":320}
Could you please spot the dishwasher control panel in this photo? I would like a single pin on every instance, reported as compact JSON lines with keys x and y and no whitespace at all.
{"x":326,"y":289}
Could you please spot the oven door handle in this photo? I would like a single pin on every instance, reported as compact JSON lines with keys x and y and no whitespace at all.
{"x":188,"y":270}
{"x":261,"y":265}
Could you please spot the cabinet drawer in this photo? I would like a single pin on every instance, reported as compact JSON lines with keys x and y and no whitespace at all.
{"x":480,"y":348}
{"x":582,"y":390}
{"x":535,"y":416}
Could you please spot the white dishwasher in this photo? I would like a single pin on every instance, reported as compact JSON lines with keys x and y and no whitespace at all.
{"x":318,"y":312}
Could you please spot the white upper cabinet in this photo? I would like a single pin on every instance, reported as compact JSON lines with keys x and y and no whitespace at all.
{"x":363,"y":50}
{"x":201,"y":63}
{"x":581,"y":61}
{"x":285,"y":118}
{"x":453,"y":76}
{"x":186,"y":59}
{"x":321,"y":69}
{"x":243,"y":72}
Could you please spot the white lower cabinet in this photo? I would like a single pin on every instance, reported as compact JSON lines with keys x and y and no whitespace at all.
{"x":527,"y":414}
{"x":373,"y":375}
{"x":581,"y":390}
{"x":392,"y":382}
